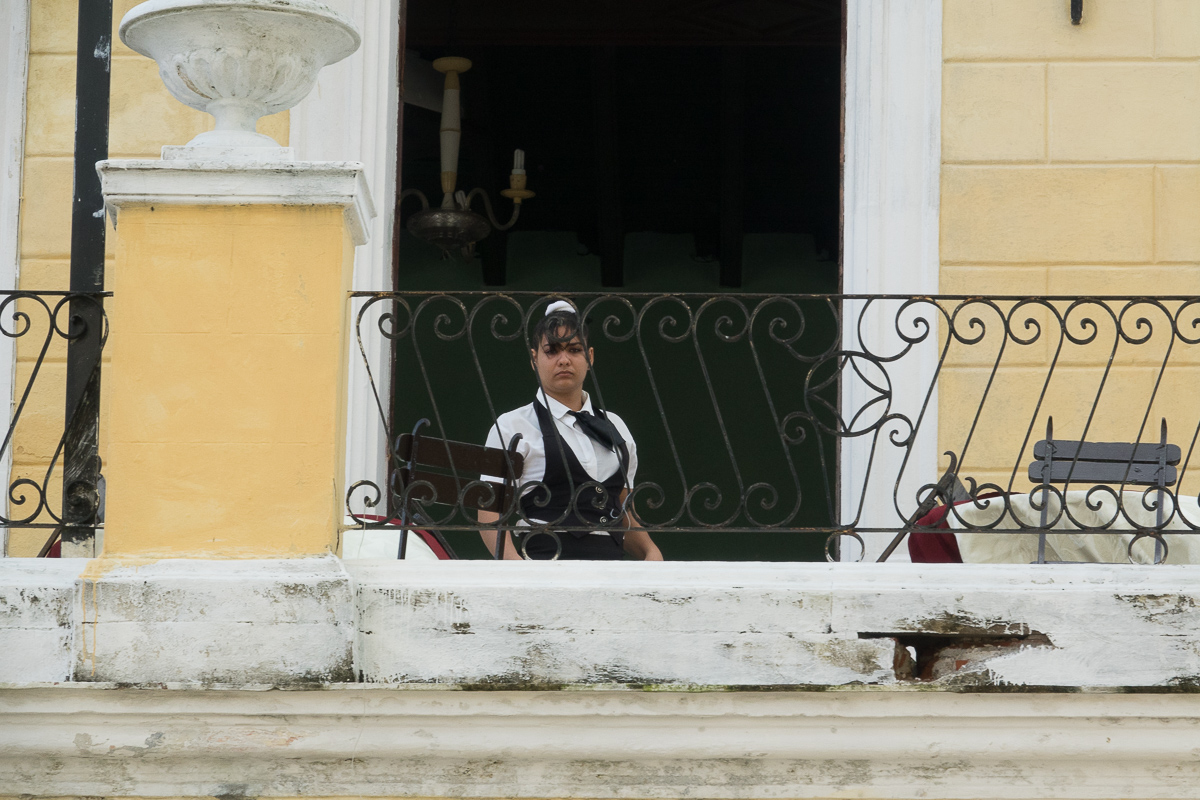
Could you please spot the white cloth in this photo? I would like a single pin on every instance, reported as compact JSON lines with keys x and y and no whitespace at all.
{"x":1065,"y":541}
{"x":598,"y":461}
{"x":383,"y":543}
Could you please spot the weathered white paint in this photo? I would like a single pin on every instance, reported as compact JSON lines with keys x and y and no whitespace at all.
{"x":536,"y":623}
{"x":891,"y":202}
{"x":612,"y":743}
{"x":14,"y":73}
{"x":271,"y":621}
{"x":573,"y":623}
{"x":1108,"y":625}
{"x":147,"y":182}
{"x":383,"y":543}
{"x":707,"y":623}
{"x":239,"y":60}
{"x":39,"y":612}
{"x":353,"y":114}
{"x":181,"y":657}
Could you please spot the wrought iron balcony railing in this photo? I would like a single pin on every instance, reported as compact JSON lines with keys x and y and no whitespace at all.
{"x":823,"y":419}
{"x":50,"y":446}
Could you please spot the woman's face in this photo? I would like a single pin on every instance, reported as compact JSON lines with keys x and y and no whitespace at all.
{"x":562,"y":366}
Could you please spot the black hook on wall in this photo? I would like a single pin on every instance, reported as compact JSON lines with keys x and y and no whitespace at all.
{"x":1076,"y":12}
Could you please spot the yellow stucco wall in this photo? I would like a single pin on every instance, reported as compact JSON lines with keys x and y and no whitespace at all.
{"x":1071,"y":165}
{"x":226,"y":385}
{"x":143,"y":118}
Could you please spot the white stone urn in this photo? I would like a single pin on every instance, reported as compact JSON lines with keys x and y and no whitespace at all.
{"x":238,"y":60}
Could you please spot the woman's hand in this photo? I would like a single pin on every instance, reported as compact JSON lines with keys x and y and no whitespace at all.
{"x":639,"y":545}
{"x":637,"y":542}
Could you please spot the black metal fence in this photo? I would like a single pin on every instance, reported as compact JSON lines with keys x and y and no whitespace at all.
{"x":813,"y":421}
{"x":56,"y":488}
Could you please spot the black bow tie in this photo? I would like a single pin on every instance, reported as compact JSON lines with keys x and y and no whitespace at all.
{"x":599,"y":428}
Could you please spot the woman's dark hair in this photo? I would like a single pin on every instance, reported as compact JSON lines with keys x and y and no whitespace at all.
{"x":560,"y":327}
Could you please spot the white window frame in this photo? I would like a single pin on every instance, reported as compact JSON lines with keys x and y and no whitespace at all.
{"x":892,"y":191}
{"x":14,"y":81}
{"x":352,"y":115}
{"x":891,"y":186}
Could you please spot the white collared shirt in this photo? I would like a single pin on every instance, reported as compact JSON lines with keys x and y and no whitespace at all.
{"x":597,"y":460}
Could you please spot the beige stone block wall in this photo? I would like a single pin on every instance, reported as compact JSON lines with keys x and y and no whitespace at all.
{"x":1071,"y":166}
{"x":143,"y":118}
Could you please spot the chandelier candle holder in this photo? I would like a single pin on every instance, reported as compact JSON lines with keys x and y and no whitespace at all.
{"x":453,"y":226}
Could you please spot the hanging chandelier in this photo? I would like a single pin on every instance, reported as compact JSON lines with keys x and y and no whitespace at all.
{"x":453,"y":226}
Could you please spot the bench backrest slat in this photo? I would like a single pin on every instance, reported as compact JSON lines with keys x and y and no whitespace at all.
{"x":449,"y":466}
{"x":467,"y":458}
{"x":1123,"y":452}
{"x":1107,"y":472}
{"x":448,"y":490}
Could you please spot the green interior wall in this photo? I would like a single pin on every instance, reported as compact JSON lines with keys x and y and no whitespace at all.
{"x":551,"y":261}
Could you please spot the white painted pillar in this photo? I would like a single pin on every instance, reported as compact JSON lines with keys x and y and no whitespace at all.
{"x":351,"y":115}
{"x":14,"y":71}
{"x":892,"y":176}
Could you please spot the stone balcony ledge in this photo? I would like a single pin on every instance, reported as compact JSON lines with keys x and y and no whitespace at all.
{"x":324,"y":677}
{"x":318,"y":621}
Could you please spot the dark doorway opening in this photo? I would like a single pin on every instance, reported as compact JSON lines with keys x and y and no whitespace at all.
{"x":674,"y":147}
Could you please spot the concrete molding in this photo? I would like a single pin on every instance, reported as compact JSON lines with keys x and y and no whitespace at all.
{"x":39,"y":615}
{"x":281,"y":622}
{"x":667,"y":624}
{"x":605,"y":743}
{"x":798,"y":624}
{"x":299,"y":183}
{"x":294,"y":622}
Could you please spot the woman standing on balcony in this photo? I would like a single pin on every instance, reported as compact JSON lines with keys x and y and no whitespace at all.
{"x":571,"y":452}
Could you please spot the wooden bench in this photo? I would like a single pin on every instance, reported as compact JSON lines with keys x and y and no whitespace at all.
{"x":1064,"y":461}
{"x":452,"y":471}
{"x":1103,"y":463}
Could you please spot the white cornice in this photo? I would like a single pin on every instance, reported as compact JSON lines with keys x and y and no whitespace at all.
{"x":422,"y":742}
{"x":152,"y":182}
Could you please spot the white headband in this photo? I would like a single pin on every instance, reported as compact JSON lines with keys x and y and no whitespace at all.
{"x":560,"y":305}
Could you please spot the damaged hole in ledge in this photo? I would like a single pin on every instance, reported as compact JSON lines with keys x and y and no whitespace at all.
{"x":924,"y":657}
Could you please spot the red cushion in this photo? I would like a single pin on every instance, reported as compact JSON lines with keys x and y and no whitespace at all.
{"x":930,"y":547}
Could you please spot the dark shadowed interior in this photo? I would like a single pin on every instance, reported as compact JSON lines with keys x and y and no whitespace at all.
{"x":674,"y":147}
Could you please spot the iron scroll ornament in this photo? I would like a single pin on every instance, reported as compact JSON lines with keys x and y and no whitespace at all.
{"x":40,"y":321}
{"x":785,"y":384}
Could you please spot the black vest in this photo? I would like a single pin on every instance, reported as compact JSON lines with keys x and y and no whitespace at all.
{"x":563,"y":482}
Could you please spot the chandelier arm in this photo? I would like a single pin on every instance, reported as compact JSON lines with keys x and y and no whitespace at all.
{"x":487,"y":204}
{"x":417,"y":193}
